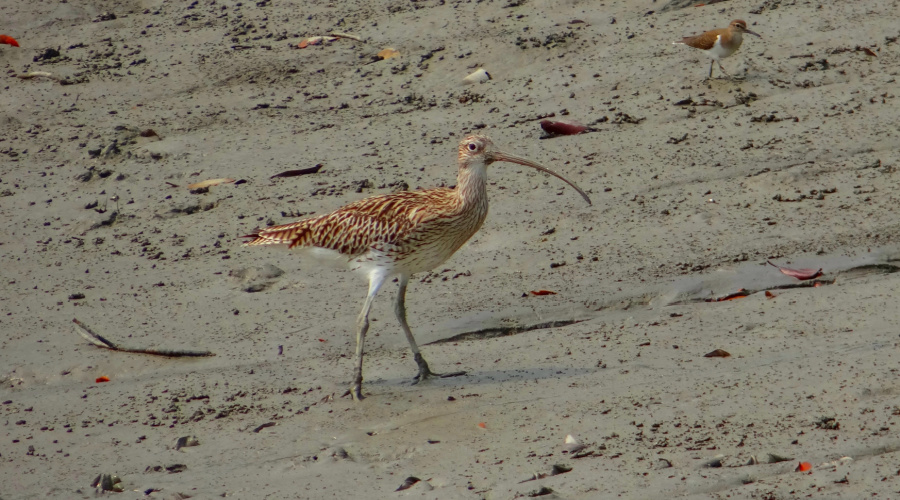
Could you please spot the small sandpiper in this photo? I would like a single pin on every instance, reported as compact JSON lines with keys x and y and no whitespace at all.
{"x":719,"y":44}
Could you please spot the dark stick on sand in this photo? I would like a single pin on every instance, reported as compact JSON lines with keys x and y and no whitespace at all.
{"x":99,"y":341}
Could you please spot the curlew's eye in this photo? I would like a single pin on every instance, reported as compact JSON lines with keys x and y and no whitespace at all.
{"x":472,"y":146}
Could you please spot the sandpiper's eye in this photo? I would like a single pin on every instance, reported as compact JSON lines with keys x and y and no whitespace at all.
{"x":472,"y":146}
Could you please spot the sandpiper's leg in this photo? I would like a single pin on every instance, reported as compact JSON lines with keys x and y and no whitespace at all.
{"x":710,"y":69}
{"x":723,"y":70}
{"x":362,"y":326}
{"x":400,"y":311}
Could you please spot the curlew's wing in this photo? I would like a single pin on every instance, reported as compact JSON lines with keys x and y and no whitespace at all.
{"x":355,"y":228}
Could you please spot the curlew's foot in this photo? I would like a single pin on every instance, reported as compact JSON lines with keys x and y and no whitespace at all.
{"x":356,"y":388}
{"x":355,"y":391}
{"x":426,"y":373}
{"x":430,"y":374}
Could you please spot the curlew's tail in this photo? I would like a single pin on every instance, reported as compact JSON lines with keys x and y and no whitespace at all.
{"x":286,"y":234}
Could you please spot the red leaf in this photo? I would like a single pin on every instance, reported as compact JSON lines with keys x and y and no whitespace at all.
{"x":102,"y":379}
{"x":803,"y":467}
{"x":800,"y":274}
{"x":542,"y":292}
{"x":770,"y":295}
{"x":562,"y":127}
{"x":9,"y":40}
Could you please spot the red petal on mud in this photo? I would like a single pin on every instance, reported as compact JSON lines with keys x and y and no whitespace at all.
{"x":9,"y":40}
{"x":803,"y":467}
{"x":800,"y":274}
{"x":102,"y":379}
{"x":542,"y":292}
{"x":562,"y":127}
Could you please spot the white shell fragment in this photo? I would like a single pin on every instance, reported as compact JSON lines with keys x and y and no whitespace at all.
{"x":573,"y":445}
{"x":479,"y":76}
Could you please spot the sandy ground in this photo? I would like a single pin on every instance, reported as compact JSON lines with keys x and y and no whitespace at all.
{"x":695,"y":186}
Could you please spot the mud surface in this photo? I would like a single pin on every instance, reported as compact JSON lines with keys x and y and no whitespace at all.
{"x":695,"y":186}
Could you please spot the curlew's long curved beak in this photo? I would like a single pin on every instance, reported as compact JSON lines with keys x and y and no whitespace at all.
{"x":502,"y":156}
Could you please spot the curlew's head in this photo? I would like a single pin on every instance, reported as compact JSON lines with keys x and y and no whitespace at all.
{"x":741,"y":27}
{"x":476,"y":152}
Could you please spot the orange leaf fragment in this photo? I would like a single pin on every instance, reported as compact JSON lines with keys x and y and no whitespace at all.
{"x":388,"y":53}
{"x":102,"y":379}
{"x":9,"y":40}
{"x":803,"y":467}
{"x":740,"y":294}
{"x":800,"y":274}
{"x":313,"y":40}
{"x":718,"y":353}
{"x":770,"y":295}
{"x":869,"y":52}
{"x":482,"y":425}
{"x":542,"y":292}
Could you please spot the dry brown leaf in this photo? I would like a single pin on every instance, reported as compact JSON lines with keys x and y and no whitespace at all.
{"x":294,"y":173}
{"x":209,"y":183}
{"x":718,"y":353}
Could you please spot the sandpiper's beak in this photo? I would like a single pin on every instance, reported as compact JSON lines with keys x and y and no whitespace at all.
{"x":496,"y":155}
{"x":752,"y":33}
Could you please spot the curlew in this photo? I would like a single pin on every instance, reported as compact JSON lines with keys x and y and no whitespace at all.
{"x":401,"y":234}
{"x":719,"y":44}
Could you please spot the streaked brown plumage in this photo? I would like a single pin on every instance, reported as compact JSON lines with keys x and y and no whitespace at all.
{"x":719,"y":44}
{"x":401,"y":234}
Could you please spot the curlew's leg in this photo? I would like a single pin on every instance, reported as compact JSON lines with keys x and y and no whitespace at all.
{"x":362,"y":326}
{"x":400,"y":311}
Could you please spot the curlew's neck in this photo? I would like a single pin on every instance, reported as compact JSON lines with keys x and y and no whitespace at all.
{"x":471,"y":186}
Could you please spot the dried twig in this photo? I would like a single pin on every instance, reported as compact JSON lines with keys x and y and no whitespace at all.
{"x":346,"y":35}
{"x":101,"y":342}
{"x":294,"y":173}
{"x":36,"y":74}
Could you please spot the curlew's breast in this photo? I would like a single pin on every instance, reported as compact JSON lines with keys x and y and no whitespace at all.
{"x":428,"y":246}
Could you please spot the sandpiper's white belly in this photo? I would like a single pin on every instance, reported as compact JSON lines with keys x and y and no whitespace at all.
{"x":719,"y":51}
